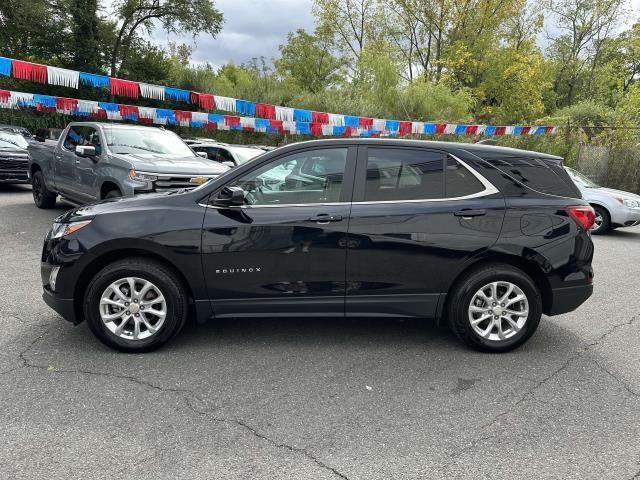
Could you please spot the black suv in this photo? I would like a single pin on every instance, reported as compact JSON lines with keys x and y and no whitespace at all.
{"x":482,"y":237}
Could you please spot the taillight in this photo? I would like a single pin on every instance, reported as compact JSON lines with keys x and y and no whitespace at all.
{"x":583,"y":215}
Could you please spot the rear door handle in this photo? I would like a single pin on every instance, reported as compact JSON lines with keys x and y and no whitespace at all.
{"x":324,"y":218}
{"x":470,"y":213}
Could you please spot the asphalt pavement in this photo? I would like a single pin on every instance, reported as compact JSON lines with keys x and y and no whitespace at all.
{"x":316,"y":398}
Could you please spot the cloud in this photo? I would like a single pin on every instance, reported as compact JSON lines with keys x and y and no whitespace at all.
{"x":252,"y":29}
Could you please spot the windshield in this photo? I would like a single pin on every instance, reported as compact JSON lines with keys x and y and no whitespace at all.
{"x":246,"y":154}
{"x":12,"y":140}
{"x":580,"y":179}
{"x":129,"y":140}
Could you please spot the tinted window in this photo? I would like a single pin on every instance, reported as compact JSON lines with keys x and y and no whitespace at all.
{"x":536,"y":173}
{"x":460,"y":182}
{"x":211,"y":152}
{"x":312,"y":176}
{"x":83,"y":136}
{"x":403,"y":174}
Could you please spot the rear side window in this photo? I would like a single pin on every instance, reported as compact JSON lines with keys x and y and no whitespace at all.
{"x":404,"y":174}
{"x":535,"y":173}
{"x":460,"y":182}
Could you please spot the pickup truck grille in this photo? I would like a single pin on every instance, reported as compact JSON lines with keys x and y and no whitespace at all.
{"x":13,"y":163}
{"x":171,"y":183}
{"x":13,"y":167}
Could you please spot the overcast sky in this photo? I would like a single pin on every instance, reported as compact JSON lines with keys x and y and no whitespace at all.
{"x":255,"y":28}
{"x":252,"y":28}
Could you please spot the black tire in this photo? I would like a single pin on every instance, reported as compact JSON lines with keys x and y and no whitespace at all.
{"x":115,"y":193}
{"x":605,"y":225}
{"x":147,"y":269}
{"x":42,"y":196}
{"x":459,"y":302}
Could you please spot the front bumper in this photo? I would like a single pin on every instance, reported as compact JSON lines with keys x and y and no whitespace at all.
{"x":62,"y":306}
{"x":567,"y":299}
{"x":626,"y":217}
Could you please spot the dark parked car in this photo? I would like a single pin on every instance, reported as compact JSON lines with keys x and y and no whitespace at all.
{"x":484,"y":238}
{"x":14,"y":160}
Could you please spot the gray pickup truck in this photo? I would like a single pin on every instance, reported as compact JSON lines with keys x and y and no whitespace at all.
{"x":94,"y":161}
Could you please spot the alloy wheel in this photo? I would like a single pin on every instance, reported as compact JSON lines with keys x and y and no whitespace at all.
{"x":597,"y":224}
{"x":498,"y":311}
{"x":133,"y":308}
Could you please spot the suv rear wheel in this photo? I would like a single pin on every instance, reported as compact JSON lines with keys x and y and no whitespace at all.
{"x":135,"y":305}
{"x":496,"y":308}
{"x":42,"y":196}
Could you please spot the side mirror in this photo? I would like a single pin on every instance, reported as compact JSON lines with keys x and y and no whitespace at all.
{"x":202,"y":154}
{"x":230,"y":197}
{"x":85,"y":151}
{"x":229,"y":163}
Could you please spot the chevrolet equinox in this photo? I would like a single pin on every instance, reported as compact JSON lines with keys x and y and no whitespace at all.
{"x":484,"y":238}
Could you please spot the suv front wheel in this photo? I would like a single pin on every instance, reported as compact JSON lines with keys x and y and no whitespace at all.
{"x":135,"y":305}
{"x":496,"y":308}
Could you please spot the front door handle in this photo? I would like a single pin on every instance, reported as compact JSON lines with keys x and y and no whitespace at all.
{"x":470,"y":213}
{"x":324,"y":218}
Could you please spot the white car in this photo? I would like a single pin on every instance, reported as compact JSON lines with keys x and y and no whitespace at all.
{"x":614,"y":208}
{"x":231,"y":155}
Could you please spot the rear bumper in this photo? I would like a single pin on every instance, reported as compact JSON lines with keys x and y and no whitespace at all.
{"x":63,"y":306}
{"x":567,"y":299}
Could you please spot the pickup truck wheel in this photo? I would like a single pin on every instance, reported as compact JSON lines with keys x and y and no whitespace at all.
{"x":115,"y":193}
{"x":135,"y":305}
{"x":42,"y":196}
{"x":496,"y":308}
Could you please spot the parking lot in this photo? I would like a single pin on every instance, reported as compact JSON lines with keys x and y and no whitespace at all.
{"x":317,"y":398}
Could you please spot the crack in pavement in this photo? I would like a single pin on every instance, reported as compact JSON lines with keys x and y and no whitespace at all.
{"x":530,"y":392}
{"x":617,"y":379}
{"x":188,"y":397}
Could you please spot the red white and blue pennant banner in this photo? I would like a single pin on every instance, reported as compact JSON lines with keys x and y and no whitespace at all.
{"x":163,"y":116}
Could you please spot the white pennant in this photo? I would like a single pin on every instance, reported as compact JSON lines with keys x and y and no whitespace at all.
{"x":151,"y":91}
{"x":63,"y":77}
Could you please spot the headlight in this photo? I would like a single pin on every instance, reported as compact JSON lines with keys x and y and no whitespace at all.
{"x":142,"y":177}
{"x":59,"y":230}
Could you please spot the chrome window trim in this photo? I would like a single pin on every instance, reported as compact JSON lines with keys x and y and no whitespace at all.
{"x":489,"y":189}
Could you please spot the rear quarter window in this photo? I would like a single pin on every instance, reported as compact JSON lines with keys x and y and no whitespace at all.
{"x":545,"y":176}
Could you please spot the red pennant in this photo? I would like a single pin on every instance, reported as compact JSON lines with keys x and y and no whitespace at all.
{"x":366,"y":123}
{"x":124,"y":88}
{"x":5,"y":95}
{"x":525,"y":130}
{"x":231,"y":121}
{"x":276,"y":125}
{"x":500,"y":130}
{"x":66,"y":104}
{"x":472,"y":129}
{"x":265,"y":111}
{"x":320,"y":117}
{"x":203,"y":100}
{"x":129,"y":111}
{"x":29,"y":71}
{"x":211,"y":125}
{"x":316,"y":128}
{"x":182,"y":116}
{"x":405,"y":128}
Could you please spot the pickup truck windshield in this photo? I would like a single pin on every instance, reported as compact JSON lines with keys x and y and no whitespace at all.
{"x":128,"y":140}
{"x":12,"y":140}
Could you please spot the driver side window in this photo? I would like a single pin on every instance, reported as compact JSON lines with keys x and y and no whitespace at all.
{"x":308,"y":177}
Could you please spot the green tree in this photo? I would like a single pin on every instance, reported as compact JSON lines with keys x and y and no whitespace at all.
{"x":307,"y":60}
{"x":86,"y":35}
{"x":174,"y":16}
